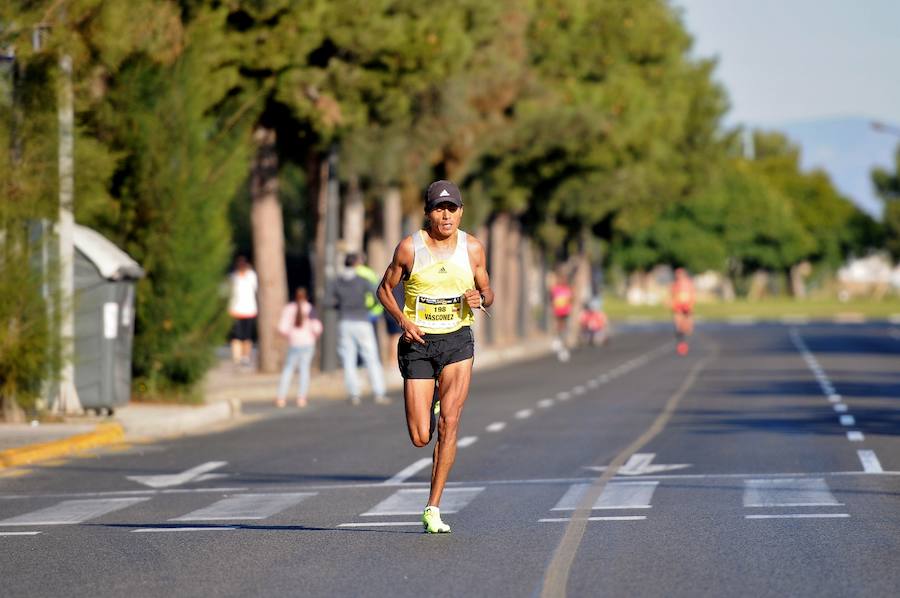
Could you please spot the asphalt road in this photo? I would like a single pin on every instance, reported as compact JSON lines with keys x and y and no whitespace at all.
{"x":765,"y":463}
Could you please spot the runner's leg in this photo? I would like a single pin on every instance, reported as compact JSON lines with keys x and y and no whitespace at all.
{"x":454,"y":389}
{"x":417,"y":394}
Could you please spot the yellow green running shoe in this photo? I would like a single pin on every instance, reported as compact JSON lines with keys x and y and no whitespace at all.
{"x":431,"y":520}
{"x":437,"y":407}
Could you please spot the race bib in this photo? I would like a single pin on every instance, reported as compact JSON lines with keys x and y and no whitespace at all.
{"x":439,"y":312}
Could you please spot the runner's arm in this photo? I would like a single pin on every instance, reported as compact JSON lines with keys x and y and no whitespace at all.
{"x":402,"y":262}
{"x":478,"y":260}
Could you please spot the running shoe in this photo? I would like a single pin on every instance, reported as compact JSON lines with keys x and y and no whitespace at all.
{"x":437,"y":407}
{"x":431,"y":521}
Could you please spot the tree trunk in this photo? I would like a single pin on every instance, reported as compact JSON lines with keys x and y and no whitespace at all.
{"x":529,"y":289}
{"x":318,"y":176}
{"x":759,"y":285}
{"x":499,"y":273}
{"x":581,"y":286}
{"x":67,"y":399}
{"x":354,"y":217}
{"x":268,"y":245}
{"x":392,"y":219}
{"x":513,"y":290}
{"x":798,"y":274}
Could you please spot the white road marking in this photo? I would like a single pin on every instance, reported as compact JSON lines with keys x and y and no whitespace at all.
{"x":840,"y":408}
{"x":466,"y":441}
{"x":848,"y":420}
{"x":496,"y":426}
{"x":835,"y":398}
{"x":563,"y":396}
{"x":619,"y":518}
{"x":788,"y":492}
{"x":546,"y":403}
{"x":800,"y":516}
{"x":870,"y":461}
{"x":177,"y":479}
{"x":382,"y":524}
{"x":616,"y":495}
{"x":640,"y":464}
{"x":409,"y":471}
{"x":593,"y":383}
{"x":161,"y":530}
{"x":70,"y":512}
{"x":19,"y":533}
{"x":411,"y":501}
{"x":579,"y":390}
{"x":524,"y":413}
{"x":855,"y":436}
{"x":246,"y":507}
{"x":603,"y":379}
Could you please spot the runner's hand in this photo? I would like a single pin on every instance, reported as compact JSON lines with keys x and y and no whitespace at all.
{"x":473,"y":298}
{"x":411,"y":332}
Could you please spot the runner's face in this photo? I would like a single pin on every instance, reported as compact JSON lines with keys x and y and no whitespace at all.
{"x":445,"y":218}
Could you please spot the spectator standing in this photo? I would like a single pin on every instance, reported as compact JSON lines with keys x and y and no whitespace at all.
{"x":302,"y":329}
{"x":243,"y":309}
{"x":356,"y":335}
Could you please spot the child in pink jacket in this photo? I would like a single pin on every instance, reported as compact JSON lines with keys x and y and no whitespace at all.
{"x":301,"y":330}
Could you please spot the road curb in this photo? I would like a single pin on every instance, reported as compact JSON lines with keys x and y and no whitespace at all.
{"x":151,"y":422}
{"x":103,"y":434}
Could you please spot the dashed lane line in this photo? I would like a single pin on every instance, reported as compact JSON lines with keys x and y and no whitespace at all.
{"x":546,"y":403}
{"x":19,"y":533}
{"x":160,"y":530}
{"x":801,"y":516}
{"x":382,"y":524}
{"x":869,"y":461}
{"x":524,"y":413}
{"x":605,"y":518}
{"x":855,"y":436}
{"x":408,"y":472}
{"x":496,"y":427}
{"x":847,"y":420}
{"x":466,"y":441}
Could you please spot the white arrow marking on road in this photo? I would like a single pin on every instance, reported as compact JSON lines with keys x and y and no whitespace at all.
{"x":640,"y":464}
{"x":177,"y":479}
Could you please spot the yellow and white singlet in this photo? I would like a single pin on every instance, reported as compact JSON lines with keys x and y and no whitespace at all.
{"x":435,"y":298}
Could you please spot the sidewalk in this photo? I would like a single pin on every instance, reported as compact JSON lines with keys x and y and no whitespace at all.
{"x":225,"y":383}
{"x":225,"y":390}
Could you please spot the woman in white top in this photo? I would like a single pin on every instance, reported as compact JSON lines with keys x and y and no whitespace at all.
{"x":243,"y":309}
{"x":301,"y":330}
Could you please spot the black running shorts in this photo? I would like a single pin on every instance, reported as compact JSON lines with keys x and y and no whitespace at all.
{"x":418,"y":361}
{"x":243,"y":329}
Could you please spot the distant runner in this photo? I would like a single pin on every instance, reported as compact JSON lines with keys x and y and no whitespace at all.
{"x":446,"y":279}
{"x":682,"y":302}
{"x":561,"y":298}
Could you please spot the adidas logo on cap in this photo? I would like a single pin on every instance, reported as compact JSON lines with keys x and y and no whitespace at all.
{"x":444,"y":193}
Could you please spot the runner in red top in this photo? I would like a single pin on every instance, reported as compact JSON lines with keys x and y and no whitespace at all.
{"x":561,"y":296}
{"x":682,"y":303}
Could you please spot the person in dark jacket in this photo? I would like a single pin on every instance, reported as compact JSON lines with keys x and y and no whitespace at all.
{"x":356,"y":337}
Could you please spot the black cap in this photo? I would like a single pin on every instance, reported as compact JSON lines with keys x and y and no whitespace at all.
{"x":442,"y":191}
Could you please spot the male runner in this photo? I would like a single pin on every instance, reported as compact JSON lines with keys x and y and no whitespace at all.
{"x":682,"y":302}
{"x":445,"y":280}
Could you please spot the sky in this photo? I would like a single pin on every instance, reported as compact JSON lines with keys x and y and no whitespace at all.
{"x":793,"y":60}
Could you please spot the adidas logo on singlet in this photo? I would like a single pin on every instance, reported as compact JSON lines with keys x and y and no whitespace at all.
{"x":443,"y":270}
